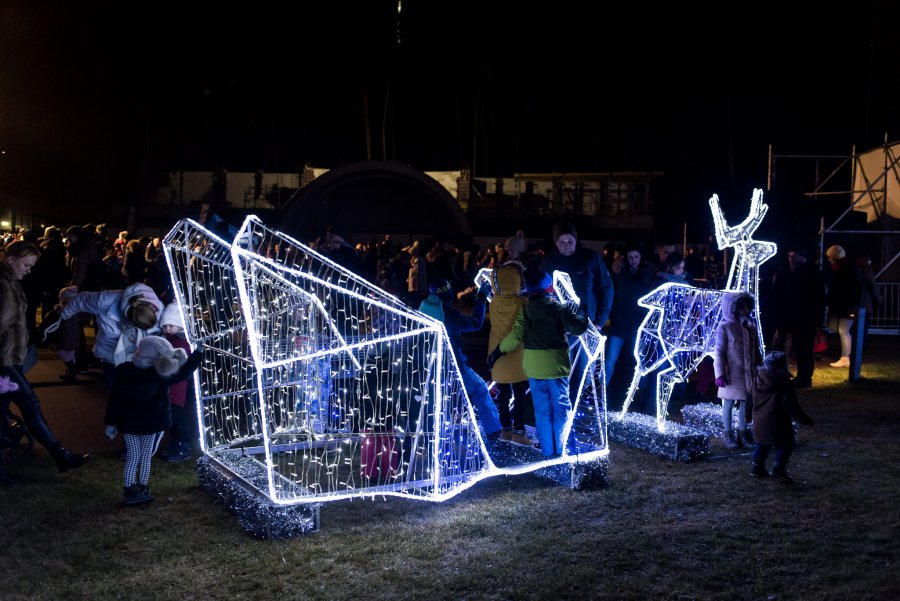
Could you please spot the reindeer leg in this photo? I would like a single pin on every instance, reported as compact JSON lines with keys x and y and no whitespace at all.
{"x":665,"y":381}
{"x":629,"y":397}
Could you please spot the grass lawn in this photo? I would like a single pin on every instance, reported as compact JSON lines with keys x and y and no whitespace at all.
{"x":703,"y":530}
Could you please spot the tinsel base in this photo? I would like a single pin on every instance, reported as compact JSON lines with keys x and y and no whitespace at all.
{"x":588,"y":475}
{"x":707,"y":417}
{"x":578,"y":475}
{"x":256,"y":513}
{"x":678,"y":442}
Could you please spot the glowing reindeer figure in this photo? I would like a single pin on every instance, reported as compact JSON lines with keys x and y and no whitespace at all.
{"x":679,"y":330}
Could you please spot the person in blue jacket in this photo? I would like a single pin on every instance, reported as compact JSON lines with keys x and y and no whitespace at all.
{"x":439,"y":305}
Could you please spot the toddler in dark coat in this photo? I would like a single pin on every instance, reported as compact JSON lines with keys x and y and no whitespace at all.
{"x":139,"y":407}
{"x":774,"y":406}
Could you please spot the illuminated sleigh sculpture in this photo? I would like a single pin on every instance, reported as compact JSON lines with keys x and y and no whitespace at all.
{"x":679,"y":329}
{"x":318,"y":386}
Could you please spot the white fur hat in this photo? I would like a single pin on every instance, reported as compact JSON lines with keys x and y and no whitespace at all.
{"x":157,"y":352}
{"x":171,"y":316}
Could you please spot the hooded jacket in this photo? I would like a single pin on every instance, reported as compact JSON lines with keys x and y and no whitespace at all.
{"x":737,"y":351}
{"x":543,"y":326}
{"x":455,"y":322}
{"x":139,"y":400}
{"x":506,"y":306}
{"x":117,"y":337}
{"x":774,"y":404}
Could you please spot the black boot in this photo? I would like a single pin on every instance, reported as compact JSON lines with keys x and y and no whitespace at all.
{"x":135,"y":494}
{"x":66,"y":460}
{"x":71,"y":374}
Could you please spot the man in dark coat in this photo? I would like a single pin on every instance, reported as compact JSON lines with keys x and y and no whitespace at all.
{"x":591,"y":282}
{"x":799,"y":303}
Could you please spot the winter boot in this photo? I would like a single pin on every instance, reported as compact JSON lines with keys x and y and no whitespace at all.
{"x":758,"y":470}
{"x":66,"y":460}
{"x":178,"y":453}
{"x":779,"y":472}
{"x":135,"y":495}
{"x":71,"y":374}
{"x":730,"y":440}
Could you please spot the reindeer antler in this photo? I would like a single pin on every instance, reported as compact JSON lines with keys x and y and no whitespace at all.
{"x":729,"y":236}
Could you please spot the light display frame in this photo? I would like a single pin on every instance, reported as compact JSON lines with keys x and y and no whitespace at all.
{"x":679,"y":328}
{"x":306,"y":395}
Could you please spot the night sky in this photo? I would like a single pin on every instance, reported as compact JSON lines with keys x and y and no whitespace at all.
{"x":97,"y":97}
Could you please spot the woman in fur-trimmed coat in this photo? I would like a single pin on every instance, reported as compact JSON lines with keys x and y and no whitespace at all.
{"x":18,"y":259}
{"x":735,"y":360}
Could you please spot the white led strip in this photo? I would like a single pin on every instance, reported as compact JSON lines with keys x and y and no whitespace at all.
{"x":680,"y":326}
{"x":330,"y":386}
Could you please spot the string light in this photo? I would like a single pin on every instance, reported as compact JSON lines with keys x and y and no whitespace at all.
{"x":317,"y":385}
{"x":679,"y":328}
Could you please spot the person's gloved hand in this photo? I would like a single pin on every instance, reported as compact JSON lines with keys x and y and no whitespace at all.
{"x":492,"y":358}
{"x":7,"y":385}
{"x":111,"y":432}
{"x":484,"y":292}
{"x":721,"y":382}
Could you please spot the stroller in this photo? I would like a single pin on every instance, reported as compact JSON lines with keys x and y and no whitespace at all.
{"x":16,"y":441}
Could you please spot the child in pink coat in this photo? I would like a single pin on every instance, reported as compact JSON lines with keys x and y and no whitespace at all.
{"x":735,"y":360}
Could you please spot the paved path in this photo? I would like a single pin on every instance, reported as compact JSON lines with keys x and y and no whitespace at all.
{"x":75,"y":411}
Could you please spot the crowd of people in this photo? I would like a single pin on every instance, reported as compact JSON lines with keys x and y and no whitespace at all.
{"x":82,"y":276}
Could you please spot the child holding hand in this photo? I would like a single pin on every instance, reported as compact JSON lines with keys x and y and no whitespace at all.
{"x":139,"y":407}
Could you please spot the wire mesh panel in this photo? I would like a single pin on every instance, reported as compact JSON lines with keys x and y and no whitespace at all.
{"x":205,"y":286}
{"x":318,"y":385}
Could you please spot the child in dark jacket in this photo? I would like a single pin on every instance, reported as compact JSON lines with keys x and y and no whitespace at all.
{"x":543,"y":326}
{"x":774,"y":404}
{"x":139,"y":407}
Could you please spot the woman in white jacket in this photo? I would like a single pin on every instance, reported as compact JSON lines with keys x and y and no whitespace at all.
{"x":123,"y":317}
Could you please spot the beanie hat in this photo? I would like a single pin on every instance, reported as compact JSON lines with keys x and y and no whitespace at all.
{"x":157,"y":352}
{"x":562,"y":228}
{"x":171,"y":316}
{"x":835,"y":253}
{"x":75,"y":231}
{"x":776,"y":361}
{"x":515,"y":243}
{"x":537,"y":282}
{"x":441,"y":288}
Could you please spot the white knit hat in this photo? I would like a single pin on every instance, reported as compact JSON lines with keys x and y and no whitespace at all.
{"x":835,"y":253}
{"x":157,"y":352}
{"x":171,"y":316}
